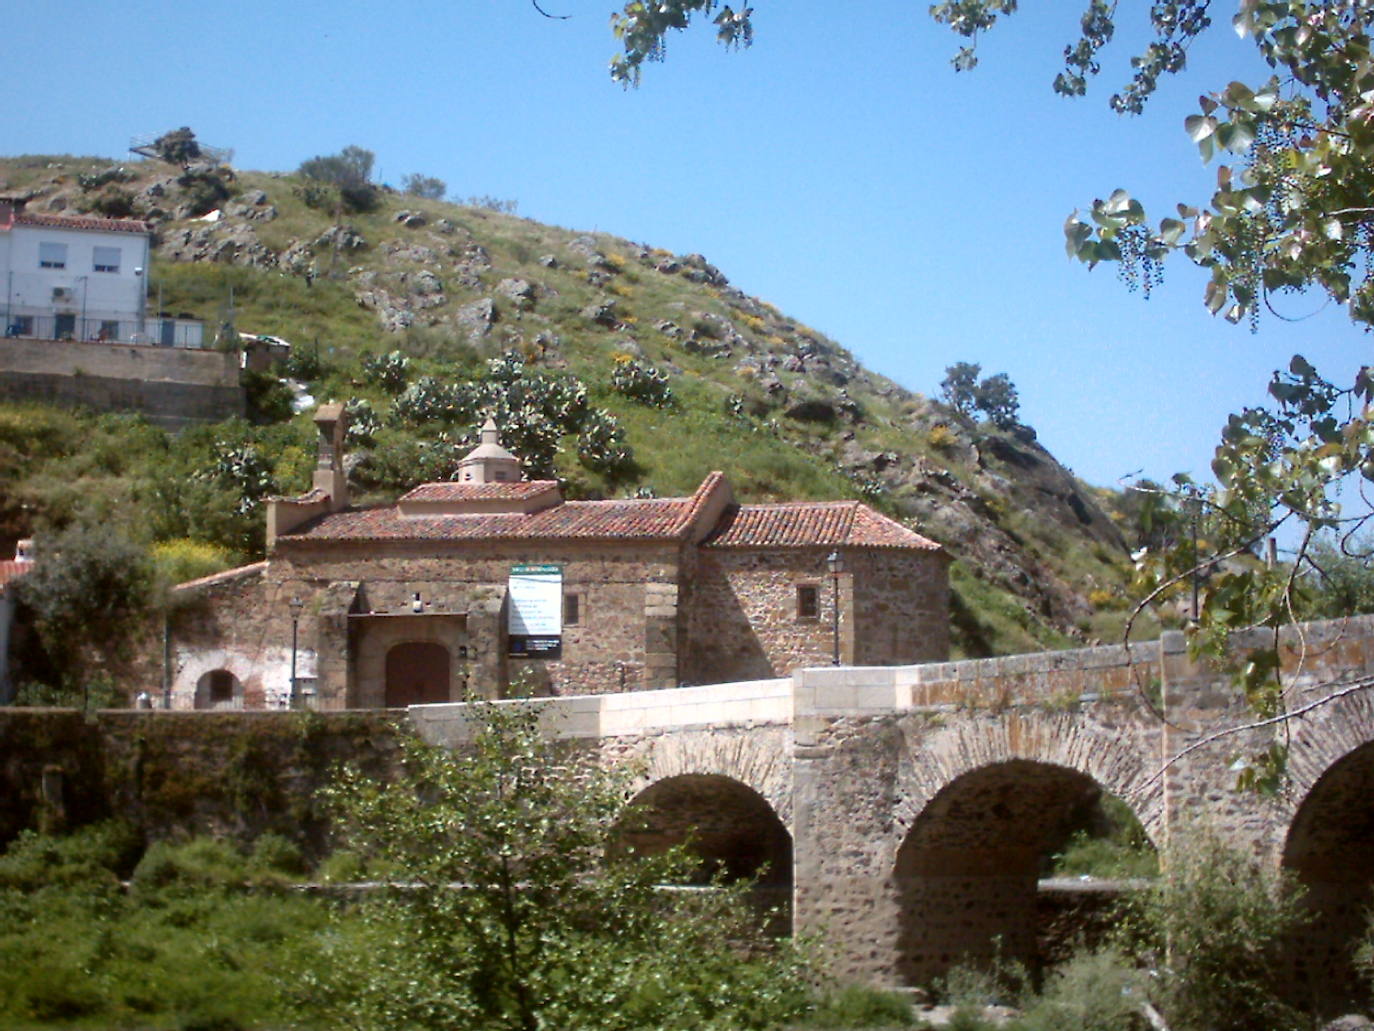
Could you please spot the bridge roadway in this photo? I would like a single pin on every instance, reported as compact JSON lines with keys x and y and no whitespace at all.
{"x":908,"y":809}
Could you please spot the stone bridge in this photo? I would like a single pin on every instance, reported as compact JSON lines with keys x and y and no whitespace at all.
{"x":908,"y":809}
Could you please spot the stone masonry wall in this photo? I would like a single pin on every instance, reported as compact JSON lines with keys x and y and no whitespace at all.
{"x":625,"y":637}
{"x":744,"y":621}
{"x":172,"y":386}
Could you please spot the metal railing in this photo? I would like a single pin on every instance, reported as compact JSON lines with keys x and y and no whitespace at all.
{"x":157,"y":332}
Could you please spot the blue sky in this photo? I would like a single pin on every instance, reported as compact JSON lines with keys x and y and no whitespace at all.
{"x":839,"y":169}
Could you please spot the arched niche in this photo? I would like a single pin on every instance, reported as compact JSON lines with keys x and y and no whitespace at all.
{"x":219,"y":689}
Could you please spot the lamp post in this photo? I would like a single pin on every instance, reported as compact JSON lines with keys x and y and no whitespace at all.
{"x":835,"y":561}
{"x":296,"y":605}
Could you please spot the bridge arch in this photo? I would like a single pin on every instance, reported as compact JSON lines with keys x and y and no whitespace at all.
{"x":966,"y":874}
{"x":759,"y":758}
{"x":1330,"y":848}
{"x":1122,"y":758}
{"x":727,"y":825}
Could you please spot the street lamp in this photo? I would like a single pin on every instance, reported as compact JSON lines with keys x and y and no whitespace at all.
{"x":295,"y":605}
{"x":835,"y":562}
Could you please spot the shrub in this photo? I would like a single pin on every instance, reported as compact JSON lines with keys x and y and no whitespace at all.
{"x":857,"y":1006}
{"x":363,"y":424}
{"x":183,"y":559}
{"x":349,"y":172}
{"x":601,"y":445}
{"x":546,"y":932}
{"x":426,"y":186}
{"x":642,"y":382}
{"x":96,"y":854}
{"x":1213,"y":927}
{"x":113,"y":202}
{"x":303,"y":364}
{"x":389,"y":371}
{"x":1093,"y":991}
{"x":204,"y":189}
{"x":941,"y":437}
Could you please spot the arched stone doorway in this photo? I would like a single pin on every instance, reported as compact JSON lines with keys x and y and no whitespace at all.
{"x":966,"y":879}
{"x":417,"y":673}
{"x":1330,"y":848}
{"x":219,"y":689}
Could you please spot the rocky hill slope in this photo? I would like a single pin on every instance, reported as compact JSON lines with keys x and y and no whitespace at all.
{"x":400,"y":304}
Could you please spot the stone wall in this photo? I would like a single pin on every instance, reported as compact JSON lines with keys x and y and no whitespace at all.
{"x":744,"y":620}
{"x":233,"y":774}
{"x":173,"y":387}
{"x":625,"y":638}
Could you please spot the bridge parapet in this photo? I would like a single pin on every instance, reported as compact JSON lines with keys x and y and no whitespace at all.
{"x":631,"y":713}
{"x":1049,"y":679}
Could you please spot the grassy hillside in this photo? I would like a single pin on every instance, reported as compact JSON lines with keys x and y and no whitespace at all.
{"x":635,"y":370}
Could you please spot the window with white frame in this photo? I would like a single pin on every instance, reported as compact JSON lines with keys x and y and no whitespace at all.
{"x":106,"y":259}
{"x":52,"y":255}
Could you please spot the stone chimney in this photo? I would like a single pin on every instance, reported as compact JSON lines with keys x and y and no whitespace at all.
{"x":332,"y":422}
{"x":329,"y":487}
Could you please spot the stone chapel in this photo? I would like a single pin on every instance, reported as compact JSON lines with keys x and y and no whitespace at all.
{"x":492,"y":584}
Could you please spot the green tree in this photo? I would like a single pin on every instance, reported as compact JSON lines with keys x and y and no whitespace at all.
{"x":349,"y":172}
{"x":89,"y":589}
{"x":511,"y":915}
{"x":1341,"y":576}
{"x":996,"y":398}
{"x":960,"y":386}
{"x":426,"y":186}
{"x":993,"y":396}
{"x":178,"y":146}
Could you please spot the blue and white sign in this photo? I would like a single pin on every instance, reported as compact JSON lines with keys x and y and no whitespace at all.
{"x":534,"y":596}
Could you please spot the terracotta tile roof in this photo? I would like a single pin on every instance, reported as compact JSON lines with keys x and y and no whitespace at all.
{"x":657,"y":519}
{"x":813,"y":524}
{"x":480,"y":491}
{"x":224,"y":576}
{"x":10,"y":570}
{"x":108,"y":225}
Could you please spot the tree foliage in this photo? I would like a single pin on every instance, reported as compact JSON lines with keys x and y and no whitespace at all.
{"x":349,"y":172}
{"x":993,"y":396}
{"x":512,"y":916}
{"x":426,"y":186}
{"x":88,"y":590}
{"x":178,"y":146}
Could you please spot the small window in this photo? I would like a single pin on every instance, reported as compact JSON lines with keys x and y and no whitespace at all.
{"x":572,"y":609}
{"x":808,"y":601}
{"x":106,"y":259}
{"x":20,"y":326}
{"x":109,"y":329}
{"x":52,"y":255}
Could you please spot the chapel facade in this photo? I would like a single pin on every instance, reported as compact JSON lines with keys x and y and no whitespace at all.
{"x":493,"y":584}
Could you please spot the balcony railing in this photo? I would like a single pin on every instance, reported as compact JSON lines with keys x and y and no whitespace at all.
{"x":157,"y":332}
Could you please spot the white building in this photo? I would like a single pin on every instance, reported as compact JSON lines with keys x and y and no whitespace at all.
{"x":80,"y":278}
